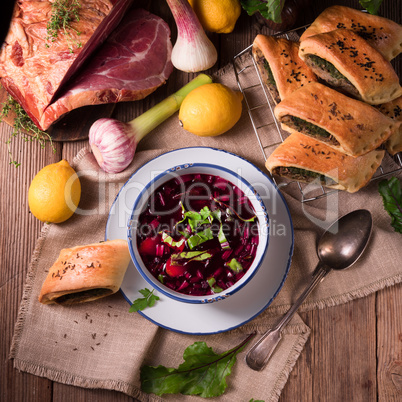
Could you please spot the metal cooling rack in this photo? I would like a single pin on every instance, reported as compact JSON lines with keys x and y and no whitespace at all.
{"x":262,"y":121}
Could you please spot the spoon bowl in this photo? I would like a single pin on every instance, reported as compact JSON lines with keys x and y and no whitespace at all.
{"x":340,"y":246}
{"x":344,"y":241}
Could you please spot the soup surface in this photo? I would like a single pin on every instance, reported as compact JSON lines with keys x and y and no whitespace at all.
{"x":198,"y":234}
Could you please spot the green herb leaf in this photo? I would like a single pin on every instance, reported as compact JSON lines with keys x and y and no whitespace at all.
{"x":372,"y":6}
{"x":200,"y":237}
{"x":235,"y":265}
{"x":231,"y":211}
{"x":196,"y":219}
{"x":64,"y":12}
{"x":23,"y":123}
{"x":141,"y":303}
{"x":169,"y":240}
{"x":211,"y":282}
{"x":269,"y":9}
{"x":203,"y":372}
{"x":391,"y":193}
{"x":221,"y":235}
{"x":189,"y":255}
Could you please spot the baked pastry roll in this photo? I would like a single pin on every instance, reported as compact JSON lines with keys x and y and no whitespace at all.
{"x":280,"y":66}
{"x":347,"y":62}
{"x":85,"y":273}
{"x":393,"y":110}
{"x":304,"y":159}
{"x":381,"y":33}
{"x":345,"y":124}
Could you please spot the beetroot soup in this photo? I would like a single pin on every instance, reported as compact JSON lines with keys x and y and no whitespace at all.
{"x":198,"y":234}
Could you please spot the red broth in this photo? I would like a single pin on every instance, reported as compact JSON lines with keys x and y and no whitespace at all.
{"x":198,"y":234}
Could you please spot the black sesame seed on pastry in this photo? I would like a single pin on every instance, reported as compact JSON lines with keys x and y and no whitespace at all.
{"x":345,"y":124}
{"x":393,"y":110}
{"x":347,"y":62}
{"x":304,"y":159}
{"x":85,"y":273}
{"x":280,"y":66}
{"x":381,"y":33}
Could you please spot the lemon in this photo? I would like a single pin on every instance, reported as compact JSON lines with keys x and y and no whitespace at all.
{"x":217,"y":15}
{"x":54,"y":193}
{"x":210,"y":110}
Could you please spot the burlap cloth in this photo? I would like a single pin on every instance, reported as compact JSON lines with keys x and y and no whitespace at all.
{"x":102,"y":345}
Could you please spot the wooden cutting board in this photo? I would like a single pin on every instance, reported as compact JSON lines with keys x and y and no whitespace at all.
{"x":72,"y":127}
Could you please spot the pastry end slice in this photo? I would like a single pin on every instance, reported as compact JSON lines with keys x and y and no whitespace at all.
{"x":381,"y":33}
{"x":86,"y":273}
{"x":345,"y":124}
{"x":348,"y":63}
{"x":393,"y":110}
{"x":279,"y":64}
{"x":304,"y":159}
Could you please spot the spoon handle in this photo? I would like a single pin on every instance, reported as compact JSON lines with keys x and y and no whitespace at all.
{"x":258,"y":356}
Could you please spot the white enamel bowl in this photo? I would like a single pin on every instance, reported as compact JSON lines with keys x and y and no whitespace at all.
{"x":209,"y":169}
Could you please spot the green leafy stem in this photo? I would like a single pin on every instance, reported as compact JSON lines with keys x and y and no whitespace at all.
{"x":391,"y":193}
{"x":203,"y":372}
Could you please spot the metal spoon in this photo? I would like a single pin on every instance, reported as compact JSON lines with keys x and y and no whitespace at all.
{"x":338,"y":248}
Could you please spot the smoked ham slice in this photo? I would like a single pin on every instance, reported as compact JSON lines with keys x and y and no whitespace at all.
{"x":131,"y":64}
{"x":33,"y":68}
{"x":50,"y":79}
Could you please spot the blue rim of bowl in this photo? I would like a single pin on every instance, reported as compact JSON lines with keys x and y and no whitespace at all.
{"x":159,"y":286}
{"x":291,"y":250}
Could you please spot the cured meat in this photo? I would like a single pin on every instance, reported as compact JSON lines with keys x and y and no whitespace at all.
{"x":131,"y":64}
{"x":33,"y":67}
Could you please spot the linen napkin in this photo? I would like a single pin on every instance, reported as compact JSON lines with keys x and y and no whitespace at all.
{"x":101,"y":345}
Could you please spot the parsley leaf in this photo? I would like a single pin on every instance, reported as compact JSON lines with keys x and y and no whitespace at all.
{"x":391,"y":193}
{"x":203,"y":372}
{"x":141,"y":303}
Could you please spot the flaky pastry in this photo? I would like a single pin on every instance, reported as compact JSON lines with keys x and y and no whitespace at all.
{"x":86,"y":273}
{"x":304,"y":159}
{"x":381,"y":33}
{"x":345,"y":124}
{"x":347,"y":62}
{"x":393,"y":110}
{"x":280,"y":66}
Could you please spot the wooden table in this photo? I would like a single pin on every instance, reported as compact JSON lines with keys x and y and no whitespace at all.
{"x":354,"y":352}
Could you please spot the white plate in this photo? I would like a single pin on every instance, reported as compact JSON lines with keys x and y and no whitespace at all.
{"x":248,"y":302}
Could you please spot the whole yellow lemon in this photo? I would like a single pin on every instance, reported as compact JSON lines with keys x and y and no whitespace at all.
{"x":217,"y":15}
{"x":54,"y":193}
{"x":210,"y":110}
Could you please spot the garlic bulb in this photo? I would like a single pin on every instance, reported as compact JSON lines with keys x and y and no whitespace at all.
{"x":114,"y":143}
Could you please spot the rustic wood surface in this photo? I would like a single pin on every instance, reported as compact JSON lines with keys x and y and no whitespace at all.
{"x":354,"y":352}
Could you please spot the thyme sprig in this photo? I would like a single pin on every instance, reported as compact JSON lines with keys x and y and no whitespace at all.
{"x":63,"y":13}
{"x":22,"y":122}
